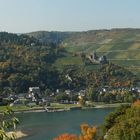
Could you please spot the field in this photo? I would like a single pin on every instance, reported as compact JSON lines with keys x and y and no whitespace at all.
{"x":21,"y":108}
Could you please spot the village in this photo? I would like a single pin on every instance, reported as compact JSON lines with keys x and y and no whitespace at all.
{"x":35,"y":97}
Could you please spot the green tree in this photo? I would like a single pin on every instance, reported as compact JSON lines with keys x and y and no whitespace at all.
{"x":62,"y":96}
{"x":90,"y":93}
{"x":124,"y":124}
{"x":8,"y":122}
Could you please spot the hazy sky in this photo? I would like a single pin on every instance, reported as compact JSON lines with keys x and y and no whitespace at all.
{"x":68,"y":15}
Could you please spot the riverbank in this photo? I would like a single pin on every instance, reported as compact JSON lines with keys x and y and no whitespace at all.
{"x":17,"y":134}
{"x":23,"y":109}
{"x":110,"y":105}
{"x":63,"y":107}
{"x":70,"y":107}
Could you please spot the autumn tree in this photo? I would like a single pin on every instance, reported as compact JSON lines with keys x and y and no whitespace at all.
{"x":82,"y":101}
{"x":87,"y":133}
{"x":136,"y":103}
{"x":67,"y":136}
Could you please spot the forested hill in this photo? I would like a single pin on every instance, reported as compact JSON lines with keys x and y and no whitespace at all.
{"x":10,"y":38}
{"x":24,"y":62}
{"x":50,"y":37}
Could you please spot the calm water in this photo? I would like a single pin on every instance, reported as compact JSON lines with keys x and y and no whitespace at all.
{"x":46,"y":126}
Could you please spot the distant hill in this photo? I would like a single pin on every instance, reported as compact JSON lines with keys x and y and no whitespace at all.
{"x":50,"y":37}
{"x":10,"y":38}
{"x":98,"y":37}
{"x":121,"y":46}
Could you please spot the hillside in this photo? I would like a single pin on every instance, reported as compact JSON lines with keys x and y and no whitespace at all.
{"x":51,"y":66}
{"x":121,"y":46}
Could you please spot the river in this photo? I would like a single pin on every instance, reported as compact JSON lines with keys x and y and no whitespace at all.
{"x":46,"y":126}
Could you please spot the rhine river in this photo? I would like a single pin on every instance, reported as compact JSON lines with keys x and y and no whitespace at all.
{"x":46,"y":126}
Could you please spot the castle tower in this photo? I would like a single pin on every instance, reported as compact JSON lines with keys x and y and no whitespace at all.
{"x":94,"y":56}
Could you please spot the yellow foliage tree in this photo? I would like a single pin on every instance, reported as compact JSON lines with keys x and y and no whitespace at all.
{"x":88,"y":133}
{"x":136,"y":103}
{"x":81,"y":101}
{"x":67,"y":136}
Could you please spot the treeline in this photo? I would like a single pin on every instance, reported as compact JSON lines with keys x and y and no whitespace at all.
{"x":21,"y":39}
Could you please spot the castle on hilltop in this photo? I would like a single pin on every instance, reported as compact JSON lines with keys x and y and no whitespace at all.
{"x":99,"y":60}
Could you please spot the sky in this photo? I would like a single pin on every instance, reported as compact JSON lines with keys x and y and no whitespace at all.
{"x":21,"y":16}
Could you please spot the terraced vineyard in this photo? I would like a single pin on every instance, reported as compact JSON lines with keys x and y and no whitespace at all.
{"x":121,"y":46}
